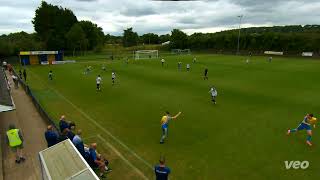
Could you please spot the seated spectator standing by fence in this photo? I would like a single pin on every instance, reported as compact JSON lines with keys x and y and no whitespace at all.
{"x":78,"y":143}
{"x":10,"y":68}
{"x":15,"y":141}
{"x":25,"y":75}
{"x":70,"y":134}
{"x":15,"y":81}
{"x":64,"y":135}
{"x":72,"y":125}
{"x":51,"y":136}
{"x":4,"y":65}
{"x":20,"y":74}
{"x":63,"y":124}
{"x":96,"y":161}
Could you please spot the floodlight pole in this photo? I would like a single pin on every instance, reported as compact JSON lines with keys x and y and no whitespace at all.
{"x":240,"y":18}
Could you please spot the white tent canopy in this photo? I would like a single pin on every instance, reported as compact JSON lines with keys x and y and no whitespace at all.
{"x":63,"y":161}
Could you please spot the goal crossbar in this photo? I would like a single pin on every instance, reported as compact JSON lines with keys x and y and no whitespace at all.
{"x":146,"y":54}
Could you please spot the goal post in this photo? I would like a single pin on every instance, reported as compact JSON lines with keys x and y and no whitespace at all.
{"x":146,"y":54}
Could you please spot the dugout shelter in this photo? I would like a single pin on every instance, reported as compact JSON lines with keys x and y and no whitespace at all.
{"x":64,"y":162}
{"x":40,"y":57}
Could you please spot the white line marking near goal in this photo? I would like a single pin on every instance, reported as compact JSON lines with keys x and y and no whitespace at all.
{"x":99,"y":126}
{"x":122,"y":157}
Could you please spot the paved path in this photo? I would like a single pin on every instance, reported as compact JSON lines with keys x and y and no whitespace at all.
{"x":26,"y":118}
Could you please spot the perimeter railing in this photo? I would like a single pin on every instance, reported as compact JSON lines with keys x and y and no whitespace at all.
{"x":36,"y":103}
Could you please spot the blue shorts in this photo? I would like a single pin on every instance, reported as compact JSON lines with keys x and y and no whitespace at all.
{"x":165,"y":131}
{"x":303,"y":126}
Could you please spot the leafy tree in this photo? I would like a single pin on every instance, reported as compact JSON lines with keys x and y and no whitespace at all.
{"x":93,"y":33}
{"x":52,"y":23}
{"x":76,"y":38}
{"x":130,"y":38}
{"x":150,"y":38}
{"x":6,"y":49}
{"x":178,"y":39}
{"x":110,"y":39}
{"x":164,"y":38}
{"x":13,"y":43}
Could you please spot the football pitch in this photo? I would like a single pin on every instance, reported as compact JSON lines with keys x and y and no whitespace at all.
{"x":243,"y":136}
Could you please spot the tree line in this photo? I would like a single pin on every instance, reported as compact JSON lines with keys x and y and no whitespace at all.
{"x":290,"y":39}
{"x":57,"y":28}
{"x":131,"y":38}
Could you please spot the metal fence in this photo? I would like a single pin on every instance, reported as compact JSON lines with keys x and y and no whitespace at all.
{"x":36,"y":103}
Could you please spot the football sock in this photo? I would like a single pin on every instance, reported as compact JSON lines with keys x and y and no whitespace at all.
{"x":309,"y":138}
{"x":293,"y":130}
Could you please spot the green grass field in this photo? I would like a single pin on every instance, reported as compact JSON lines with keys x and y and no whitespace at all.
{"x":242,"y":137}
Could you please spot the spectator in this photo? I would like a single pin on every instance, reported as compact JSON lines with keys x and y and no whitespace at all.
{"x":162,"y":171}
{"x":15,"y":81}
{"x":51,"y":136}
{"x":72,"y":128}
{"x":10,"y":69}
{"x":4,"y":65}
{"x":25,"y":75}
{"x":9,"y":84}
{"x":72,"y":125}
{"x":64,"y":135}
{"x":70,"y":134}
{"x":15,"y":141}
{"x":20,"y":74}
{"x":97,"y":161}
{"x":78,"y":143}
{"x":63,"y":124}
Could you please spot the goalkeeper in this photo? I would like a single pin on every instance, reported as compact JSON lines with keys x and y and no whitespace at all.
{"x":165,"y":125}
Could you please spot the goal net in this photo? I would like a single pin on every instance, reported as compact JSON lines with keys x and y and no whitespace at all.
{"x":146,"y":54}
{"x":180,"y":51}
{"x":175,"y":51}
{"x":185,"y":51}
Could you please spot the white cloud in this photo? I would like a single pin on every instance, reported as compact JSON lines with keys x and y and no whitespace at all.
{"x":161,"y":17}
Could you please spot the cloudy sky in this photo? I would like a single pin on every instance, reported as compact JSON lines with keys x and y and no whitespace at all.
{"x":162,"y":16}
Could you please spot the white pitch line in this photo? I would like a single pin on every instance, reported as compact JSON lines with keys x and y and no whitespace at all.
{"x":101,"y":127}
{"x":89,"y":137}
{"x":105,"y":130}
{"x":92,"y":62}
{"x":122,"y":157}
